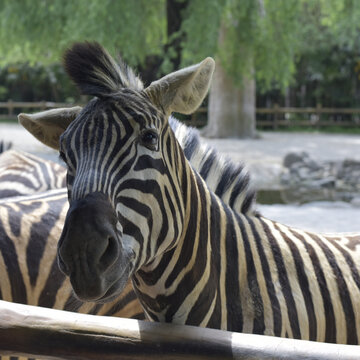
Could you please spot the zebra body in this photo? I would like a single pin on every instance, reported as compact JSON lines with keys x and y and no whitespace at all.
{"x":138,"y":209}
{"x":23,"y":174}
{"x":30,"y":227}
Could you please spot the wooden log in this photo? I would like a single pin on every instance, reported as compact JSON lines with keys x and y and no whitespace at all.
{"x":53,"y":334}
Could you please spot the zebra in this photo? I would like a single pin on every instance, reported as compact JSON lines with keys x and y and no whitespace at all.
{"x":35,"y":222}
{"x":24,"y":174}
{"x":139,"y":210}
{"x":30,"y":227}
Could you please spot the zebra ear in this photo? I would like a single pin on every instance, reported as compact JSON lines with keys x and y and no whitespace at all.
{"x":182,"y":91}
{"x":47,"y":126}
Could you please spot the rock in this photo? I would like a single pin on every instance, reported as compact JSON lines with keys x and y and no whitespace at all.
{"x":312,"y":164}
{"x":325,"y":183}
{"x":340,"y":179}
{"x":292,"y":158}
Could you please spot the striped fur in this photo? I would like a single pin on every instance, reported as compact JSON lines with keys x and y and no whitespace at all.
{"x":193,"y":259}
{"x":23,"y":174}
{"x":30,"y":227}
{"x":228,"y":180}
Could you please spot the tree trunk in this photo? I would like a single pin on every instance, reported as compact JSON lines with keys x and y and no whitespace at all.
{"x":150,"y":70}
{"x":231,"y":110}
{"x":174,"y":10}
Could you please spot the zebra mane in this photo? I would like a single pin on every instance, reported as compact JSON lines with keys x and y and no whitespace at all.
{"x":96,"y":73}
{"x":228,"y":180}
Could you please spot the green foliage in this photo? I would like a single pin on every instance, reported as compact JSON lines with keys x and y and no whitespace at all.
{"x":268,"y":37}
{"x":328,"y":53}
{"x":21,"y":82}
{"x":255,"y":35}
{"x":201,"y":22}
{"x":33,"y":30}
{"x":318,"y":40}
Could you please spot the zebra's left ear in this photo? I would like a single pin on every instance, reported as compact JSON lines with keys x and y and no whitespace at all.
{"x":47,"y":126}
{"x":182,"y":91}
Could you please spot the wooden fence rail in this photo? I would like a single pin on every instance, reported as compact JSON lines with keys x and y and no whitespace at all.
{"x":41,"y":105}
{"x":53,"y":334}
{"x":277,"y":116}
{"x":273,"y":117}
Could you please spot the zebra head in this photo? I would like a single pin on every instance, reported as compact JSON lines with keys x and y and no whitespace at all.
{"x":125,"y":168}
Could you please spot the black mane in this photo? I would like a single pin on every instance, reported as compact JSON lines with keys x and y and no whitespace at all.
{"x":96,"y":73}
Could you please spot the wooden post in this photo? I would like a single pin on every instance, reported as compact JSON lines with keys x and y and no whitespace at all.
{"x":276,"y":116}
{"x":43,"y":105}
{"x":10,"y":108}
{"x":53,"y":334}
{"x":318,"y":114}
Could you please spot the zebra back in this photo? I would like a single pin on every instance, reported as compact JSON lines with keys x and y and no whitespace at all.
{"x":30,"y":227}
{"x":24,"y":174}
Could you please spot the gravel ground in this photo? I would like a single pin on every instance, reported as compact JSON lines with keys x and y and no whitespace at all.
{"x":264,"y":158}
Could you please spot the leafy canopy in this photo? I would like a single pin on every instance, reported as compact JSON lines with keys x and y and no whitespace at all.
{"x":261,"y":37}
{"x":40,"y":30}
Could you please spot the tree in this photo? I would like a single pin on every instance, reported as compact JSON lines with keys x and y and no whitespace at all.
{"x":40,"y":30}
{"x":254,"y":40}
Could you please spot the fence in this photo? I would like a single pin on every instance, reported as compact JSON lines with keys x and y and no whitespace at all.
{"x":273,"y":118}
{"x":11,"y":107}
{"x":39,"y":332}
{"x":277,"y":117}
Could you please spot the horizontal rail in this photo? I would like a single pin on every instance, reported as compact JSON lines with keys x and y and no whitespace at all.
{"x":39,"y":332}
{"x":317,"y":110}
{"x":25,"y":104}
{"x":273,"y":110}
{"x":276,"y":116}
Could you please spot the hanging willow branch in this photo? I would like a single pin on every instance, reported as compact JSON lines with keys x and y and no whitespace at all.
{"x":39,"y":332}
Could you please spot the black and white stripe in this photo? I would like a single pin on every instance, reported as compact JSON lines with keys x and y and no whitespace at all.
{"x":23,"y":174}
{"x":193,"y":259}
{"x":30,"y":227}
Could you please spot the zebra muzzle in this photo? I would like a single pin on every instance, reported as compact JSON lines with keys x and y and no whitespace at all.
{"x":90,"y":250}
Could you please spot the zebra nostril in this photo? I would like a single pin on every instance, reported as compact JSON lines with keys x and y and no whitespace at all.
{"x":110,"y":254}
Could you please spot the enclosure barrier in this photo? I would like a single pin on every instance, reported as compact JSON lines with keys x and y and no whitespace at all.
{"x":10,"y":106}
{"x":276,"y":116}
{"x":46,"y":333}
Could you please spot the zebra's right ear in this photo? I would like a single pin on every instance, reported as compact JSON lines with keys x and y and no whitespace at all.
{"x":47,"y":126}
{"x":184,"y":90}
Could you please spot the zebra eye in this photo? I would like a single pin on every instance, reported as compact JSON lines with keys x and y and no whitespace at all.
{"x":149,"y":138}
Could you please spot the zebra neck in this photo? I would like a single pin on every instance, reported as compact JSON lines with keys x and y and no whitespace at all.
{"x":187,"y":284}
